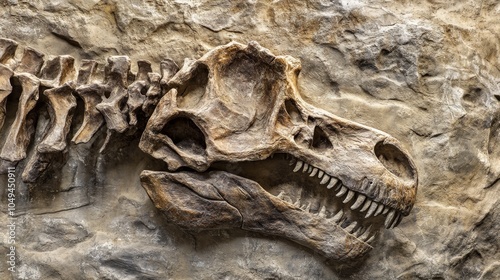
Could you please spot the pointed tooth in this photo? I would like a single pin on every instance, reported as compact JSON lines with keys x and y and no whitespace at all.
{"x":359,"y":201}
{"x":358,"y":232}
{"x":342,"y":191}
{"x":390,"y":218}
{"x":292,"y":161}
{"x":320,"y":173}
{"x":310,"y":169}
{"x":314,"y":171}
{"x":280,"y":195}
{"x":322,"y":212}
{"x":397,"y":220}
{"x":338,"y":216}
{"x":371,"y":239}
{"x":386,"y":209}
{"x":350,"y":195}
{"x":325,"y":179}
{"x":306,"y":166}
{"x":366,"y":205}
{"x":303,"y":207}
{"x":372,"y":209}
{"x":366,"y":234}
{"x":298,"y":166}
{"x":351,"y":227}
{"x":379,"y":210}
{"x":333,"y":182}
{"x":308,"y":207}
{"x":297,"y":203}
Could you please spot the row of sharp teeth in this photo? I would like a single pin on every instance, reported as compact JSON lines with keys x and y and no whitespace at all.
{"x":361,"y":201}
{"x":363,"y":234}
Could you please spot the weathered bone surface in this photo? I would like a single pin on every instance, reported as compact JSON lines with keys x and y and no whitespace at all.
{"x":336,"y":182}
{"x":241,"y":103}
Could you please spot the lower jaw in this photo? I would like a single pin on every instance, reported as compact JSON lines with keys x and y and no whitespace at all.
{"x":221,"y":200}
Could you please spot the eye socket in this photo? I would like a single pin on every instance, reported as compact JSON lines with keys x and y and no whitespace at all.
{"x":186,"y":135}
{"x":293,"y":111}
{"x":320,"y":139}
{"x":394,"y":160}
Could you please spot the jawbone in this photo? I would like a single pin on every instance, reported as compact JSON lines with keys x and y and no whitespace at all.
{"x":221,"y":200}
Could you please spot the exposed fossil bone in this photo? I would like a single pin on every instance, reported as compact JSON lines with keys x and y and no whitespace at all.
{"x":5,"y":90}
{"x":112,"y":107}
{"x":20,"y":132}
{"x":91,"y":94}
{"x":136,"y":97}
{"x":62,"y":103}
{"x":332,"y":183}
{"x":7,"y":51}
{"x":240,"y":104}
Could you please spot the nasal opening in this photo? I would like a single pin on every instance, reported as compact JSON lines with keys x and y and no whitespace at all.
{"x":394,"y":160}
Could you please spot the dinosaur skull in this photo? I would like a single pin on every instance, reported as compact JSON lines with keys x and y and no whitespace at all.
{"x":245,"y":151}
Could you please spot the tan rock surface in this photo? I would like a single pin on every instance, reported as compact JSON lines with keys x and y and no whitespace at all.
{"x":428,"y":73}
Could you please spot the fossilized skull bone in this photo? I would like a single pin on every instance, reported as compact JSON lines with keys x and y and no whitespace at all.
{"x":324,"y":182}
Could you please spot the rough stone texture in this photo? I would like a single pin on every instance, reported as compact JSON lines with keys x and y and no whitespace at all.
{"x":426,"y":73}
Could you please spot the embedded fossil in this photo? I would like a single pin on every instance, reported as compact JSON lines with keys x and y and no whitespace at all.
{"x":329,"y":183}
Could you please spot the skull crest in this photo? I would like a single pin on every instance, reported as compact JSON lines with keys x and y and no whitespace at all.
{"x":245,"y":151}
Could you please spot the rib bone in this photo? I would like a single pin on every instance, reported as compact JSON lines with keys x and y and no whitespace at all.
{"x":18,"y":139}
{"x":5,"y":89}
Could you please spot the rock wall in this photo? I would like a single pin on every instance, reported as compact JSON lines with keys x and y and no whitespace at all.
{"x":427,"y":73}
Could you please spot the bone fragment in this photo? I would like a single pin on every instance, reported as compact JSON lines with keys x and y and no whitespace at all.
{"x":136,"y":98}
{"x":7,"y":51}
{"x":31,"y":62}
{"x":112,"y":107}
{"x":57,"y":71}
{"x":20,"y":132}
{"x":91,"y":93}
{"x":153,"y":94}
{"x":5,"y":90}
{"x":168,"y":69}
{"x":61,"y":106}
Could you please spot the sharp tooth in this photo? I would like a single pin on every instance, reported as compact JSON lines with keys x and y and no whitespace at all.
{"x":306,"y":166}
{"x":292,"y":161}
{"x":338,"y":216}
{"x":357,"y":233}
{"x":297,"y":203}
{"x":320,"y":173}
{"x":310,"y":169}
{"x":314,"y":171}
{"x":351,"y":227}
{"x":349,"y":196}
{"x":359,"y":201}
{"x":366,"y":205}
{"x":372,"y":209}
{"x":366,"y":234}
{"x":322,"y":212}
{"x":298,"y":166}
{"x":371,"y":239}
{"x":280,"y":195}
{"x":390,"y":218}
{"x":386,"y":209}
{"x":342,"y":191}
{"x":379,"y":210}
{"x":308,"y":207}
{"x":325,"y":179}
{"x":397,"y":220}
{"x":332,"y":183}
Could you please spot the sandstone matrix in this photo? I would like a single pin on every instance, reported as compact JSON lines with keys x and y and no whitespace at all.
{"x":426,"y":73}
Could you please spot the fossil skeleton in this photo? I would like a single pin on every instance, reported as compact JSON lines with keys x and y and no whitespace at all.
{"x":328,"y":183}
